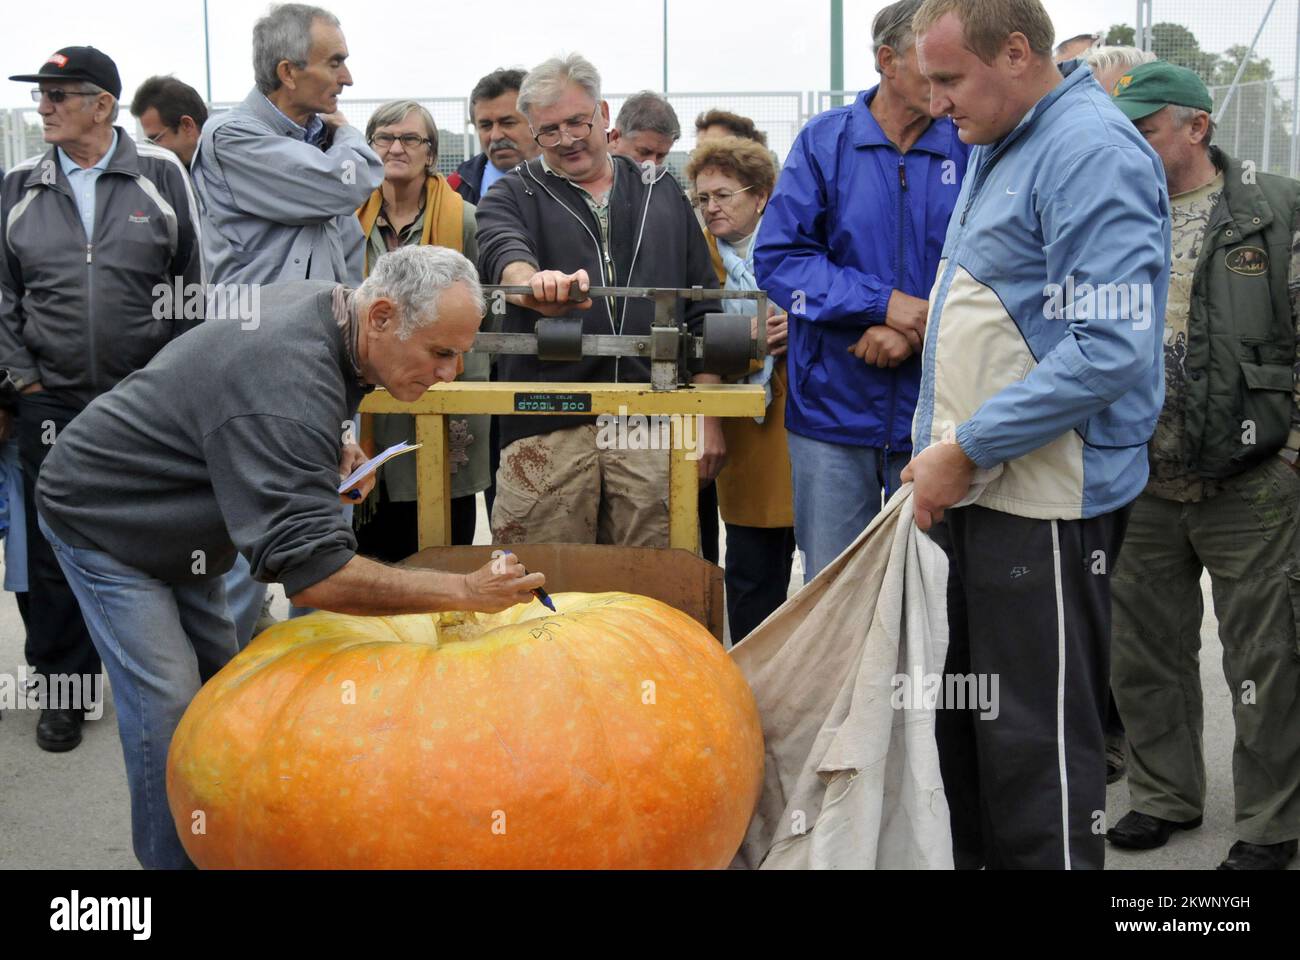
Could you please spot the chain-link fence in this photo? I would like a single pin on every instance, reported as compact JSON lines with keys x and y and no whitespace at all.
{"x":20,"y":135}
{"x":779,"y":115}
{"x":456,"y":141}
{"x":1247,"y":53}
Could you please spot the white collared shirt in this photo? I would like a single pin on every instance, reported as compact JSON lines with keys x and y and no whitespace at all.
{"x":82,"y":181}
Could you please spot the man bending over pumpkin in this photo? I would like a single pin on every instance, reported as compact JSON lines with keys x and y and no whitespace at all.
{"x":234,"y":438}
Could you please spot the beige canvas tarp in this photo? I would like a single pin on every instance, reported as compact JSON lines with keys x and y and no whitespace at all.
{"x":851,"y":781}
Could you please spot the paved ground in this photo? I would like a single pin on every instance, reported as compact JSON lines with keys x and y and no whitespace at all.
{"x":70,"y":810}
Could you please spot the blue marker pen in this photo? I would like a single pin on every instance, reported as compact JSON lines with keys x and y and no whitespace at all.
{"x":543,"y":596}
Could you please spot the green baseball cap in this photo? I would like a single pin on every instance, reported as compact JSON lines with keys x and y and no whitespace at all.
{"x":1153,"y":86}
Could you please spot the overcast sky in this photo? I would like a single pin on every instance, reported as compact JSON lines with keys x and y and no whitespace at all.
{"x":406,"y":48}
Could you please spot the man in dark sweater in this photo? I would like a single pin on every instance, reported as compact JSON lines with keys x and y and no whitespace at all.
{"x":235,"y":439}
{"x":573,"y":217}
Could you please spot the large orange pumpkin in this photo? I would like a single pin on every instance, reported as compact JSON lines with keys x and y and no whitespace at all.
{"x":615,"y":733}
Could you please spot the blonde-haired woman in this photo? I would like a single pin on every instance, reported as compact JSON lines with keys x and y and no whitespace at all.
{"x":416,"y":205}
{"x":731,"y":180}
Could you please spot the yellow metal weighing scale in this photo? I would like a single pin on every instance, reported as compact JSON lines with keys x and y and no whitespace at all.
{"x":678,"y":575}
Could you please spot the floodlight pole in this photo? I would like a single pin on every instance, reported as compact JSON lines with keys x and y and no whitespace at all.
{"x":665,"y":47}
{"x":837,"y":51}
{"x":207,"y":51}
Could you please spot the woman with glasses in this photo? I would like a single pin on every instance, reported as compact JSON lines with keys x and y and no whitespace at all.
{"x":731,"y":180}
{"x":416,"y":205}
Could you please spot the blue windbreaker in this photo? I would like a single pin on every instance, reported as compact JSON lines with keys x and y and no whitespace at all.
{"x":852,"y":220}
{"x":1043,"y":350}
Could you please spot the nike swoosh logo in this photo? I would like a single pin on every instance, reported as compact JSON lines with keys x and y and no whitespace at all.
{"x":1011,"y":193}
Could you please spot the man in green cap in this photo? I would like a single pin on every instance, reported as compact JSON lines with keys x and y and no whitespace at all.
{"x":1224,"y":492}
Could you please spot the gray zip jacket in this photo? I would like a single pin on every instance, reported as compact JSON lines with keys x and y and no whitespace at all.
{"x":78,"y":313}
{"x":276,"y":208}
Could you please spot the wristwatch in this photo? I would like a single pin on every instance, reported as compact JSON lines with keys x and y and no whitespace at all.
{"x":1290,"y":456}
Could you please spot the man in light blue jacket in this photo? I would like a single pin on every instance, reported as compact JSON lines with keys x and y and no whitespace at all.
{"x":280,"y":176}
{"x":1041,"y":383}
{"x":279,"y":179}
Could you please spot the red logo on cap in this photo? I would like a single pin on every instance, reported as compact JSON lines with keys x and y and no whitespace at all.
{"x":58,"y":59}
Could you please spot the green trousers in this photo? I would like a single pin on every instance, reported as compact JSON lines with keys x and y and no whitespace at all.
{"x":1247,"y":538}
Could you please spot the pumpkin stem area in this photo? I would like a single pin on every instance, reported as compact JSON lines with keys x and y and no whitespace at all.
{"x":463,"y":626}
{"x":459,"y":626}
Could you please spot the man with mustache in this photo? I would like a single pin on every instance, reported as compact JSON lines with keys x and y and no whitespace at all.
{"x":502,"y":134}
{"x":279,"y":179}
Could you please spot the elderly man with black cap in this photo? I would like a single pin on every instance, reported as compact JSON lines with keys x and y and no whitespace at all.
{"x":1223,"y":494}
{"x":88,"y":230}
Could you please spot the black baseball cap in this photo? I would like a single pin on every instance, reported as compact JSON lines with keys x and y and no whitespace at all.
{"x":79,"y":63}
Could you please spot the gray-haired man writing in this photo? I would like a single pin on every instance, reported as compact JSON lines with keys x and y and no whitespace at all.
{"x":150,"y":493}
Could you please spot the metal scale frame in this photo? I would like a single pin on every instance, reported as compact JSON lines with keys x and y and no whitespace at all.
{"x":677,"y":575}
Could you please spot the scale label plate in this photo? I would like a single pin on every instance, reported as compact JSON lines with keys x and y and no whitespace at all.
{"x":552,"y":403}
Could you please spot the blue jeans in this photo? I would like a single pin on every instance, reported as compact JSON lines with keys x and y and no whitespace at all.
{"x":15,"y":537}
{"x":838,"y":490}
{"x":159,"y":642}
{"x":245,"y":597}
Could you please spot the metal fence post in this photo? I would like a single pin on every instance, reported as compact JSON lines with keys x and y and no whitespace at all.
{"x":1268,"y":126}
{"x":471,"y":135}
{"x":1145,"y":17}
{"x":1236,"y":126}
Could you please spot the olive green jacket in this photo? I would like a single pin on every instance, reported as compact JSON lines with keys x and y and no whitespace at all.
{"x":1243,"y":388}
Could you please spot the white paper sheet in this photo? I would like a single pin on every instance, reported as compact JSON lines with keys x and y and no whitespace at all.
{"x":371,"y":465}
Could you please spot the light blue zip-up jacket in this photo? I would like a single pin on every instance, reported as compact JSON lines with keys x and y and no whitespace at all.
{"x":276,"y":208}
{"x":1043,"y":350}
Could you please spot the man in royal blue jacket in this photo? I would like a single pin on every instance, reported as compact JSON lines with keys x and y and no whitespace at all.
{"x":849,"y":246}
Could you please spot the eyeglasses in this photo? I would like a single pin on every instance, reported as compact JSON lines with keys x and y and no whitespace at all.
{"x":723,"y":197}
{"x":157,"y":137}
{"x":575,"y":131}
{"x":410,"y":141}
{"x":58,"y":96}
